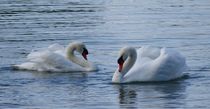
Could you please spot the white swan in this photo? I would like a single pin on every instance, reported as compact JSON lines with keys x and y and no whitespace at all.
{"x":148,"y":64}
{"x":58,"y":59}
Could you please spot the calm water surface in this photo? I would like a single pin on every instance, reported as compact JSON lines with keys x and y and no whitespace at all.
{"x":105,"y":26}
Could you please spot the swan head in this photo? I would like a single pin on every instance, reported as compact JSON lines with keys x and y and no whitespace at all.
{"x":124,"y":53}
{"x":79,"y":47}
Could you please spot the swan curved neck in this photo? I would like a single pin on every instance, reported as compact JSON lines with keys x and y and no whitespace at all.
{"x":130,"y":61}
{"x":71,"y":56}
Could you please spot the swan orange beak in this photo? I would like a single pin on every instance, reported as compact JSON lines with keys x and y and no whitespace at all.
{"x":120,"y":62}
{"x":85,"y":53}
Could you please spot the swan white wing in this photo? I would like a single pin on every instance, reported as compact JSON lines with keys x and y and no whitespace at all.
{"x":57,"y":48}
{"x":148,"y":51}
{"x":168,"y":65}
{"x":49,"y":61}
{"x":54,"y":48}
{"x":141,"y":71}
{"x":173,"y":62}
{"x":55,"y":61}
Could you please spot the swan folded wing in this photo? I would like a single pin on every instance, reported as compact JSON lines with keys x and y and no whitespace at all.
{"x":141,"y":71}
{"x":37,"y":56}
{"x":57,"y":48}
{"x":148,"y":51}
{"x":60,"y":63}
{"x":50,"y":61}
{"x":169,"y":65}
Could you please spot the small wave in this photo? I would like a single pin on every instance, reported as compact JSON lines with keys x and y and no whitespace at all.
{"x":207,"y":68}
{"x":176,"y":6}
{"x":5,"y":68}
{"x":10,"y":105}
{"x":47,"y":11}
{"x":8,"y":85}
{"x":201,"y":69}
{"x":29,"y":40}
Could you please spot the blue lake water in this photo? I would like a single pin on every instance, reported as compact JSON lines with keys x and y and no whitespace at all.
{"x":104,"y":26}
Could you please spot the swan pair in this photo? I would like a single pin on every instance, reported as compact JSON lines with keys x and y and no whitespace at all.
{"x":144,"y":64}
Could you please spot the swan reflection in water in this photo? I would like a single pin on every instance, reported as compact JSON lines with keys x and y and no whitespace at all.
{"x":127,"y":96}
{"x":152,"y":95}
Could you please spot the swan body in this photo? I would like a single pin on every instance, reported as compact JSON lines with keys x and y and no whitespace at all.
{"x":148,"y":64}
{"x":57,"y":58}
